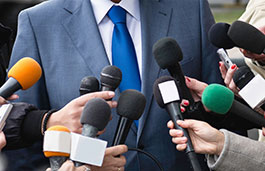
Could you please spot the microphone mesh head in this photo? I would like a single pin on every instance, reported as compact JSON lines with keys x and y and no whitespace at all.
{"x":111,"y":76}
{"x":57,"y":128}
{"x":242,"y":76}
{"x":217,"y":98}
{"x":131,"y":104}
{"x":218,"y":36}
{"x":26,"y":71}
{"x":96,"y":113}
{"x":89,"y":84}
{"x":247,"y":37}
{"x":167,"y":52}
{"x":156,"y":91}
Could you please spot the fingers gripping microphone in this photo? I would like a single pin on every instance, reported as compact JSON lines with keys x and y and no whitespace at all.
{"x":220,"y":99}
{"x":131,"y":104}
{"x":56,"y":145}
{"x":167,"y":96}
{"x":88,"y":84}
{"x":168,"y":54}
{"x":94,"y":118}
{"x":247,"y":37}
{"x":22,"y":75}
{"x":110,"y":78}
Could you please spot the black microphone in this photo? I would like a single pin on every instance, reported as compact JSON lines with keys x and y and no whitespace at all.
{"x":88,"y":84}
{"x":218,"y":36}
{"x":110,"y":78}
{"x":168,"y":54}
{"x":131,"y":104}
{"x":247,"y":37}
{"x":220,"y":100}
{"x":94,"y":118}
{"x":250,"y":87}
{"x":167,"y":96}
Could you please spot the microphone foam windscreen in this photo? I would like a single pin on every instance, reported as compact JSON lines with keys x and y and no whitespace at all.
{"x":111,"y":76}
{"x":156,"y":90}
{"x":218,"y":36}
{"x":131,"y":104}
{"x":247,"y":37}
{"x":217,"y":98}
{"x":89,"y":84}
{"x":167,"y":52}
{"x":26,"y":71}
{"x":61,"y":129}
{"x":96,"y":113}
{"x":242,"y":76}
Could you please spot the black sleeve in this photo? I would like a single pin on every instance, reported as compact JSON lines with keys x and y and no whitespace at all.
{"x":227,"y":121}
{"x":23,"y":126}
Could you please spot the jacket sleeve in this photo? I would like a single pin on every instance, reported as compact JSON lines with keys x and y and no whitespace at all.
{"x":239,"y":153}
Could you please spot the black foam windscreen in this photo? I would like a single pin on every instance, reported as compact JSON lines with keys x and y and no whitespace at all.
{"x":88,"y":84}
{"x":156,"y":91}
{"x":167,"y":52}
{"x":111,"y":76}
{"x":242,"y":76}
{"x":218,"y":36}
{"x":131,"y":104}
{"x":96,"y":113}
{"x":247,"y":37}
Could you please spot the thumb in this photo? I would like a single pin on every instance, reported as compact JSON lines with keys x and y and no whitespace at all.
{"x":195,"y":85}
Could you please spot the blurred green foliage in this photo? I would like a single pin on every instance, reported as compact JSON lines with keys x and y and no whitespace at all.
{"x":227,"y":14}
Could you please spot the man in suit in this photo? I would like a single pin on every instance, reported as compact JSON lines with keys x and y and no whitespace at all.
{"x":72,"y":39}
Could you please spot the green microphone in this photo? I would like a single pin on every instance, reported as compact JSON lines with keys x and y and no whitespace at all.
{"x":220,"y":99}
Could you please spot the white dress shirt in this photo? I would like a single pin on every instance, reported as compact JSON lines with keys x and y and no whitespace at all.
{"x":105,"y":25}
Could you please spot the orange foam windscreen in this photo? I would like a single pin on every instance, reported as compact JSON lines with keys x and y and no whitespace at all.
{"x":26,"y":71}
{"x":51,"y":153}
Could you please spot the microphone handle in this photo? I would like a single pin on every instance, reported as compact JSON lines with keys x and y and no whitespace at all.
{"x":247,"y":113}
{"x":106,"y":88}
{"x":176,"y":72}
{"x":9,"y":87}
{"x":56,"y":162}
{"x":122,"y":131}
{"x":173,"y":109}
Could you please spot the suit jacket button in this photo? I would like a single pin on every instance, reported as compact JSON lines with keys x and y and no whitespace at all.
{"x":141,"y":147}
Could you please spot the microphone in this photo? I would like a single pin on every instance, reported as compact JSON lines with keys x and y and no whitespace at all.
{"x":220,"y":99}
{"x":218,"y":36}
{"x":247,"y":37}
{"x":88,"y":84}
{"x":167,"y":54}
{"x":110,"y":78}
{"x":167,"y":96}
{"x":250,"y":86}
{"x":57,"y":145}
{"x":131,"y":104}
{"x":94,"y":118}
{"x":22,"y":75}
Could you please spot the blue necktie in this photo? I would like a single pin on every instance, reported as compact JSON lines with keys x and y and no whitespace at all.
{"x":123,"y":52}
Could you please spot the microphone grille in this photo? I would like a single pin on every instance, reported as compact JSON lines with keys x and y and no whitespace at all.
{"x":111,"y":76}
{"x":89,"y":84}
{"x":167,"y":52}
{"x":131,"y":104}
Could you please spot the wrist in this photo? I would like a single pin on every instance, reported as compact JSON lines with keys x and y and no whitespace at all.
{"x":48,"y":120}
{"x":220,"y":143}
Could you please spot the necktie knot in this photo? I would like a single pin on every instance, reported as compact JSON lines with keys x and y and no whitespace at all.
{"x":117,"y":14}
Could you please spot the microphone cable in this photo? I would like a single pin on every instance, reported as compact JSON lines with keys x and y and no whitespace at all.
{"x":148,"y":155}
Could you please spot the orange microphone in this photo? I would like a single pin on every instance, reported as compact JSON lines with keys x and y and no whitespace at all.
{"x":57,"y":145}
{"x":22,"y":75}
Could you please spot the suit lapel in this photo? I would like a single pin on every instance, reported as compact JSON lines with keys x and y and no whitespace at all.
{"x":155,"y":20}
{"x":81,"y":26}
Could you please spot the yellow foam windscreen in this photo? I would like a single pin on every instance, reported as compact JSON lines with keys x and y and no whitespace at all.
{"x":26,"y":71}
{"x":51,"y":153}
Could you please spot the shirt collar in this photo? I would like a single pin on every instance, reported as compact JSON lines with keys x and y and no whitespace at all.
{"x":101,"y":8}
